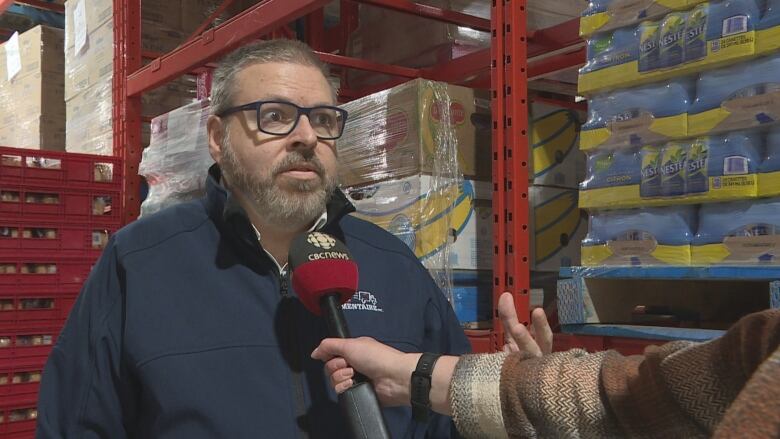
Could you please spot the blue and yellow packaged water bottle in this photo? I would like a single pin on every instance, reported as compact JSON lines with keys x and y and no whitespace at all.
{"x":672,"y":40}
{"x":612,"y":169}
{"x":695,"y":33}
{"x":771,"y":160}
{"x":610,"y":49}
{"x":673,"y":156}
{"x":650,"y":185}
{"x":697,"y":177}
{"x":649,"y":56}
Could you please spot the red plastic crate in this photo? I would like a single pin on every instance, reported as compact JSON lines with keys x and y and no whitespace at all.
{"x":19,"y":416}
{"x":68,"y":240}
{"x":44,"y":268}
{"x":24,"y":343}
{"x":20,"y":377}
{"x":60,"y":205}
{"x":35,"y":306}
{"x":59,"y":169}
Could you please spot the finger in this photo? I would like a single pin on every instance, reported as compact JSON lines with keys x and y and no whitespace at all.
{"x":507,"y":311}
{"x":343,"y":386}
{"x":525,"y":342}
{"x":341,"y":376}
{"x":335,"y":364}
{"x":541,"y":330}
{"x":329,"y":348}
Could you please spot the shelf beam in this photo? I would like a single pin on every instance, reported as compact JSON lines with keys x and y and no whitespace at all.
{"x":554,"y":38}
{"x":442,"y":15}
{"x":46,"y":6}
{"x":557,"y":63}
{"x":213,"y":43}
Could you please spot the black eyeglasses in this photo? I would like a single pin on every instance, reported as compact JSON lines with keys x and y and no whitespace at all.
{"x":280,"y":118}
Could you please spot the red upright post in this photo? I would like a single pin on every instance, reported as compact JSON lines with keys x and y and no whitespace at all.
{"x":498,"y":93}
{"x":510,"y":159}
{"x":127,"y":109}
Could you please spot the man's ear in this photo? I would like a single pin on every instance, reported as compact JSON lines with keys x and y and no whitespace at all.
{"x":216,"y":132}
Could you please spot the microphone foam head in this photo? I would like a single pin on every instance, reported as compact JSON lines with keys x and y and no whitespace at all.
{"x":321,"y":264}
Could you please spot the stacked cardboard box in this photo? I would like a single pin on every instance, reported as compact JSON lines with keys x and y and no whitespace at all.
{"x":89,"y":58}
{"x":417,"y":41}
{"x":420,"y":168}
{"x":558,"y":166}
{"x":32,"y":110}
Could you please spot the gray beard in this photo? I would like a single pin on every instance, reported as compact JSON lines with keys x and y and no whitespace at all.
{"x":292,"y":207}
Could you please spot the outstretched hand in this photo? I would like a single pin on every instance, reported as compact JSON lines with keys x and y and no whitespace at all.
{"x":535,"y":341}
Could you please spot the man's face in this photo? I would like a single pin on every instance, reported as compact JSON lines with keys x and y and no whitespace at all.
{"x":286,"y":179}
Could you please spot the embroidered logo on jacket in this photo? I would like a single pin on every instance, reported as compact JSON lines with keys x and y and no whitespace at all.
{"x":363,"y":301}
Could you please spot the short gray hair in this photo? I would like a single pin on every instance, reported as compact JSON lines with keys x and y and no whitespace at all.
{"x":262,"y":52}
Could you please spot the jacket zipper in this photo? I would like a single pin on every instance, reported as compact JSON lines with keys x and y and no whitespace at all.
{"x":290,"y":332}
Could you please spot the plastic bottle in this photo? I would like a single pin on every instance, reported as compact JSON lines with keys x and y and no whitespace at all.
{"x":673,"y":158}
{"x":697,"y":177}
{"x":650,"y":186}
{"x":672,"y":40}
{"x":649,"y":56}
{"x":696,"y":33}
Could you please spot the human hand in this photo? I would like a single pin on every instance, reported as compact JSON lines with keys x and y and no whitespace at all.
{"x":537,"y":341}
{"x":390,"y":370}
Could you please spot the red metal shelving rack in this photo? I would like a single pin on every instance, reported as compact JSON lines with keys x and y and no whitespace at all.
{"x":505,"y":67}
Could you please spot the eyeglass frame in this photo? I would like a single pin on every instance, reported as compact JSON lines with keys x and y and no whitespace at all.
{"x":302,"y":111}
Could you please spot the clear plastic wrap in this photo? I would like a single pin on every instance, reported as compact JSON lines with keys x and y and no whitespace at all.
{"x":89,"y":120}
{"x":743,"y":96}
{"x":705,"y":169}
{"x":401,"y":158}
{"x":89,"y":113}
{"x":89,"y":63}
{"x":651,"y":236}
{"x":769,"y":28}
{"x":769,"y":171}
{"x":176,"y":161}
{"x":606,"y":15}
{"x":744,"y":232}
{"x":638,"y":116}
{"x":32,"y":113}
{"x":612,"y":169}
{"x":680,"y":43}
{"x":395,"y":133}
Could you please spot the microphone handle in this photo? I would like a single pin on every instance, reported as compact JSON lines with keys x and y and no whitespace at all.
{"x":358,"y":403}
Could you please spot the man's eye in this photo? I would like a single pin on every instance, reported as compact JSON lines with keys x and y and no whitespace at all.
{"x":324,"y":119}
{"x":273,"y":116}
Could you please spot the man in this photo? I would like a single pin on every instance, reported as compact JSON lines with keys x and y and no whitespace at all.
{"x":728,"y":387}
{"x":188,"y":327}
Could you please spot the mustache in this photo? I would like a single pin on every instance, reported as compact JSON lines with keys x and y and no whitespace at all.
{"x":296,"y":159}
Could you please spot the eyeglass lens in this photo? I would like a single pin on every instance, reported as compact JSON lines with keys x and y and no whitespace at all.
{"x":280,"y":119}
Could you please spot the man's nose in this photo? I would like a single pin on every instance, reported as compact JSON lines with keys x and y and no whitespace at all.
{"x":304,"y":135}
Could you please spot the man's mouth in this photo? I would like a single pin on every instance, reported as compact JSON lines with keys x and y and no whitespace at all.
{"x":302,"y":170}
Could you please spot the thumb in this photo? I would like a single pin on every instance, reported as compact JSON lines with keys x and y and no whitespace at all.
{"x":330,"y":348}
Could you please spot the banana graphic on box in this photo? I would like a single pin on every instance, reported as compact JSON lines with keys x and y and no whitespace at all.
{"x":554,"y":139}
{"x":426,"y":216}
{"x":556,"y":223}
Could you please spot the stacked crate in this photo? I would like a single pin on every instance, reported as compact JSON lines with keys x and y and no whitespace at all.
{"x":57,"y":211}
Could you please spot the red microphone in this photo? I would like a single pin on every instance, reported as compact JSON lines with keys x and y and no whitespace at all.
{"x":324,"y":276}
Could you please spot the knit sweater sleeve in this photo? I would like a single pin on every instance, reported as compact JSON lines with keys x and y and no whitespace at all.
{"x":680,"y":389}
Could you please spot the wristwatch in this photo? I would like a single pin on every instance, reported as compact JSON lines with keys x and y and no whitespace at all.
{"x":421,"y":386}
